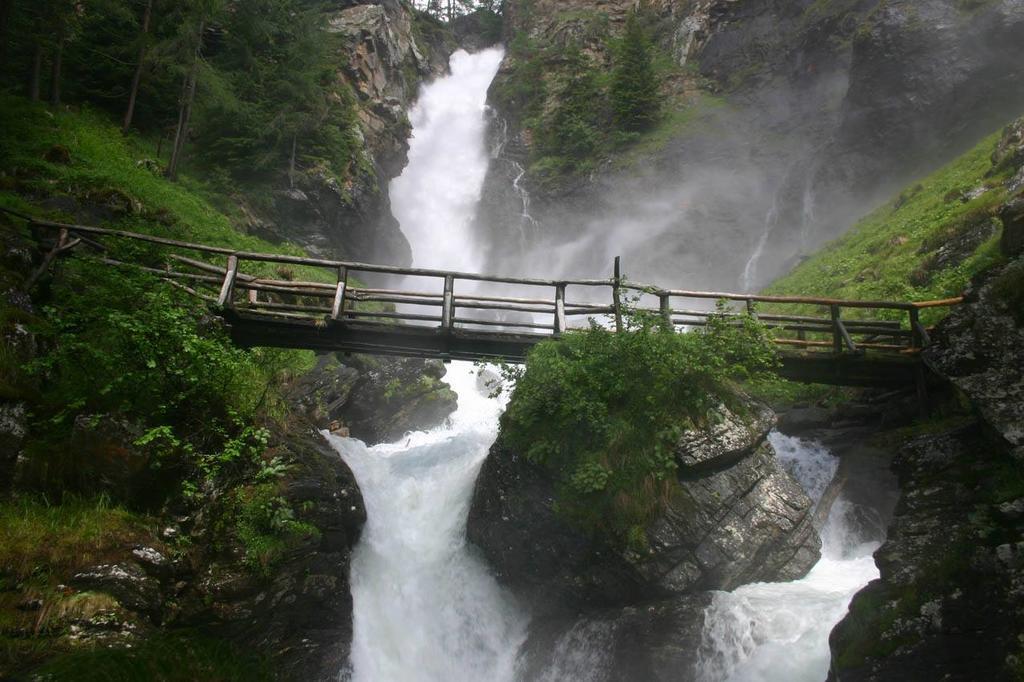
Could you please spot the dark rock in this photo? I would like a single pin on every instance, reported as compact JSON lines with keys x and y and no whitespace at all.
{"x":650,"y":641}
{"x":1012,"y":241}
{"x":949,"y":603}
{"x":376,"y":399}
{"x":58,"y":154}
{"x":803,"y":419}
{"x":126,"y":582}
{"x":980,"y":349}
{"x":13,"y":429}
{"x":300,"y":616}
{"x":735,"y":517}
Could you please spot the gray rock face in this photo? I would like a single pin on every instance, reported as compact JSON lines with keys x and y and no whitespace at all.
{"x":949,"y":603}
{"x":735,"y":517}
{"x":980,"y":348}
{"x":384,"y":56}
{"x":377,"y":399}
{"x":1012,"y":240}
{"x":655,"y":641}
{"x":127,"y":582}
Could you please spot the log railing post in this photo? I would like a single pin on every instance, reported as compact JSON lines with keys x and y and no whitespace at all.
{"x":228,"y":288}
{"x":919,"y":335}
{"x":837,"y":338}
{"x":751,"y":309}
{"x":338,"y":309}
{"x":666,"y":311}
{"x":448,"y":311}
{"x":617,"y":295}
{"x":560,"y":325}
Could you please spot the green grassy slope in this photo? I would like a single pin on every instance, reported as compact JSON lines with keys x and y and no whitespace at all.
{"x":925,"y":244}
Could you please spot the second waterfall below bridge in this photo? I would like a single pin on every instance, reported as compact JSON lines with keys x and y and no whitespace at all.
{"x":426,"y":608}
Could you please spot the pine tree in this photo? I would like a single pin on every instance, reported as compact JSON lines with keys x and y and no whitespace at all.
{"x":635,"y":98}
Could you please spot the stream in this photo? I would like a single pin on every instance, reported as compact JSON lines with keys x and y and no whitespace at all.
{"x":426,"y":607}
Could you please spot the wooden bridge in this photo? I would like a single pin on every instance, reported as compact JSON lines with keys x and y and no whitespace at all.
{"x":317,"y":304}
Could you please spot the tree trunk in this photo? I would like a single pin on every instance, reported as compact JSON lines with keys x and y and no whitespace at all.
{"x":58,"y":63}
{"x":37,"y":73}
{"x":137,"y":77}
{"x":188,"y":97}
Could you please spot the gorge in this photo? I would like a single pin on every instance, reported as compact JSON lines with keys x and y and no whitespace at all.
{"x":625,"y":506}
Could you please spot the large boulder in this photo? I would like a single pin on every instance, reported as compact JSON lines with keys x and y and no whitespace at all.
{"x":734,"y":517}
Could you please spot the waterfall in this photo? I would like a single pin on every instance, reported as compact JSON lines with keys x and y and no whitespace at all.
{"x":424,"y":607}
{"x":436,"y":196}
{"x":779,"y":631}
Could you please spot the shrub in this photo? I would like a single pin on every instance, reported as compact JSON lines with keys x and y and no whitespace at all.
{"x":603,"y":411}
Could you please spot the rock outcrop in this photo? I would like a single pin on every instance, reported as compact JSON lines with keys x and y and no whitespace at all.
{"x":948,"y":604}
{"x":377,"y":400}
{"x":386,"y":49}
{"x":734,"y":517}
{"x":781,"y":119}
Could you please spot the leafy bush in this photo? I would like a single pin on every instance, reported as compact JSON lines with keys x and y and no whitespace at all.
{"x":603,"y":411}
{"x":265,"y":525}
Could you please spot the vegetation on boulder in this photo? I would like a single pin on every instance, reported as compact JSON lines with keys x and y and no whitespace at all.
{"x":603,"y":412}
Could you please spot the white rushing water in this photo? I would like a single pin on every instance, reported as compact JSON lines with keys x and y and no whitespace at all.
{"x":437,"y":194}
{"x":425,"y":607}
{"x":766,"y":632}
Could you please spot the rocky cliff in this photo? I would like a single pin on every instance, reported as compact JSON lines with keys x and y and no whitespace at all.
{"x":948,"y":603}
{"x":385,"y":50}
{"x":782,"y":121}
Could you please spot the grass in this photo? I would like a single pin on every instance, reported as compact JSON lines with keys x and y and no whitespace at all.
{"x":884,"y":255}
{"x":41,"y":539}
{"x":173,"y":657}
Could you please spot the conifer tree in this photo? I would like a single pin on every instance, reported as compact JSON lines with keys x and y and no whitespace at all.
{"x":634,"y":91}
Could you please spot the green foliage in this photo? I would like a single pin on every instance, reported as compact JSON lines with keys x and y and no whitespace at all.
{"x":603,"y":412}
{"x":570,"y":136}
{"x":265,"y":525}
{"x":178,"y":656}
{"x":878,"y":258}
{"x":634,"y":91}
{"x":42,"y":540}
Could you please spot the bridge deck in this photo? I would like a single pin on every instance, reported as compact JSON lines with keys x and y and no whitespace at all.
{"x":248,"y":330}
{"x":471,"y":316}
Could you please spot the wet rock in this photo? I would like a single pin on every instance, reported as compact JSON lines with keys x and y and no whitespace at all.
{"x":980,"y":349}
{"x":729,"y":438}
{"x":735,"y":517}
{"x":1012,"y":241}
{"x":802,"y":419}
{"x":126,"y":582}
{"x":376,"y":399}
{"x":949,"y":603}
{"x":652,"y":641}
{"x":13,"y":429}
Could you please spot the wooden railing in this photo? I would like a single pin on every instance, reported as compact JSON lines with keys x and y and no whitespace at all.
{"x":461,"y":300}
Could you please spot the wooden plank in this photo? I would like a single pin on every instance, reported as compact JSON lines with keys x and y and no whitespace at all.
{"x":837,"y":341}
{"x":228,"y":288}
{"x":560,"y":325}
{"x":448,"y":311}
{"x":617,"y":296}
{"x":339,"y":295}
{"x":666,"y":311}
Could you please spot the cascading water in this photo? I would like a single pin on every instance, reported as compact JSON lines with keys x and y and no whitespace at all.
{"x":425,"y":607}
{"x":766,"y":632}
